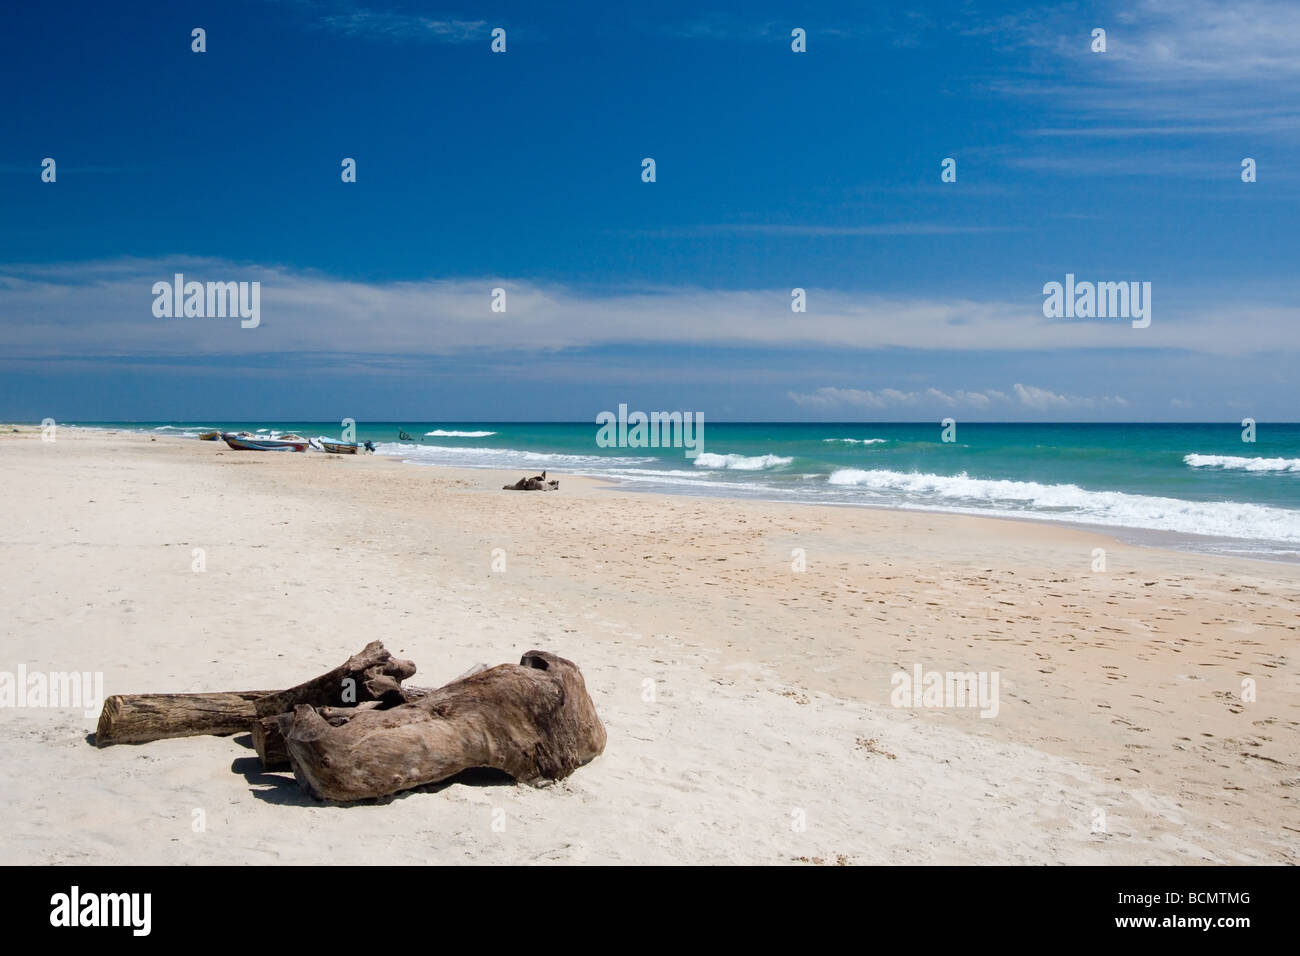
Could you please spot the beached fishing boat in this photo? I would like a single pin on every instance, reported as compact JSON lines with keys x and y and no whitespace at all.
{"x":341,"y":447}
{"x":246,"y":442}
{"x":209,"y":436}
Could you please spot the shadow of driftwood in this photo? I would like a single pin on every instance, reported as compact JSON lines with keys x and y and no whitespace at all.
{"x":270,"y":786}
{"x":282,"y":789}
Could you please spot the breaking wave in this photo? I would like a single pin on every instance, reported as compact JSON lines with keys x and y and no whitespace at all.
{"x":1030,"y":499}
{"x":1234,"y":463}
{"x":740,"y":462}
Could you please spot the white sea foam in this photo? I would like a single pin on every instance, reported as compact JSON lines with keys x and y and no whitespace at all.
{"x":470,"y":457}
{"x":439,"y":433}
{"x":1029,"y":499}
{"x":764,"y":476}
{"x":740,"y":462}
{"x":1234,"y":463}
{"x":858,"y":441}
{"x":185,"y":431}
{"x":649,"y":474}
{"x":704,"y":481}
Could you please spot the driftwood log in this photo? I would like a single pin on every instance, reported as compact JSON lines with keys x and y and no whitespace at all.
{"x":373,"y":674}
{"x":533,"y":720}
{"x":356,"y":732}
{"x":535,"y":483}
{"x":140,"y":718}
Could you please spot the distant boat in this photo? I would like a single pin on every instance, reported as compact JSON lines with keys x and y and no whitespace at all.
{"x":209,"y":436}
{"x":341,"y":447}
{"x":245,"y":442}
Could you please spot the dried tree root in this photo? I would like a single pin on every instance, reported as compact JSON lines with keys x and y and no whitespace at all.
{"x":374,"y":674}
{"x":533,"y":720}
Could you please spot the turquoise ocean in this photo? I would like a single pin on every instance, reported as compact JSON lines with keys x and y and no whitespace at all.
{"x":1196,"y":486}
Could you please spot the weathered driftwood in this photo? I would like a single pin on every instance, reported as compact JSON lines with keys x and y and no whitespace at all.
{"x":140,"y":718}
{"x":533,"y":720}
{"x":269,"y":743}
{"x":268,"y":738}
{"x":374,"y":674}
{"x":371,"y":674}
{"x":535,"y":483}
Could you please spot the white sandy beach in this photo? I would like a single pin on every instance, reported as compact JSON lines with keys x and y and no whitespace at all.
{"x":1120,"y":691}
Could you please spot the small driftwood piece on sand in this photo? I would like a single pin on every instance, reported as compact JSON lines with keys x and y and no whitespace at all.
{"x":533,"y":720}
{"x":535,"y":483}
{"x":373,"y":674}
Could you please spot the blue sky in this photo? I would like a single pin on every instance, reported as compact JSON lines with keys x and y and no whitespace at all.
{"x":775,"y":170}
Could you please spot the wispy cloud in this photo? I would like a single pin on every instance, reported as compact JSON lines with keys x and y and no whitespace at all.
{"x":1164,"y":164}
{"x":1171,"y":67}
{"x":1134,"y":132}
{"x":737,"y":27}
{"x":722,"y":27}
{"x":363,"y":22}
{"x":797,"y":230}
{"x":1040,"y":398}
{"x":1163,"y":41}
{"x":1167,"y":41}
{"x":105,"y":308}
{"x":398,"y":26}
{"x":1020,"y":396}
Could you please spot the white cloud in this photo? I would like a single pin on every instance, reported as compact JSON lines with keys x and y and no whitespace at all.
{"x":1170,"y":40}
{"x":400,"y":26}
{"x":350,"y":20}
{"x":1170,"y":67}
{"x":105,"y":308}
{"x":1041,"y":398}
{"x":1023,"y":396}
